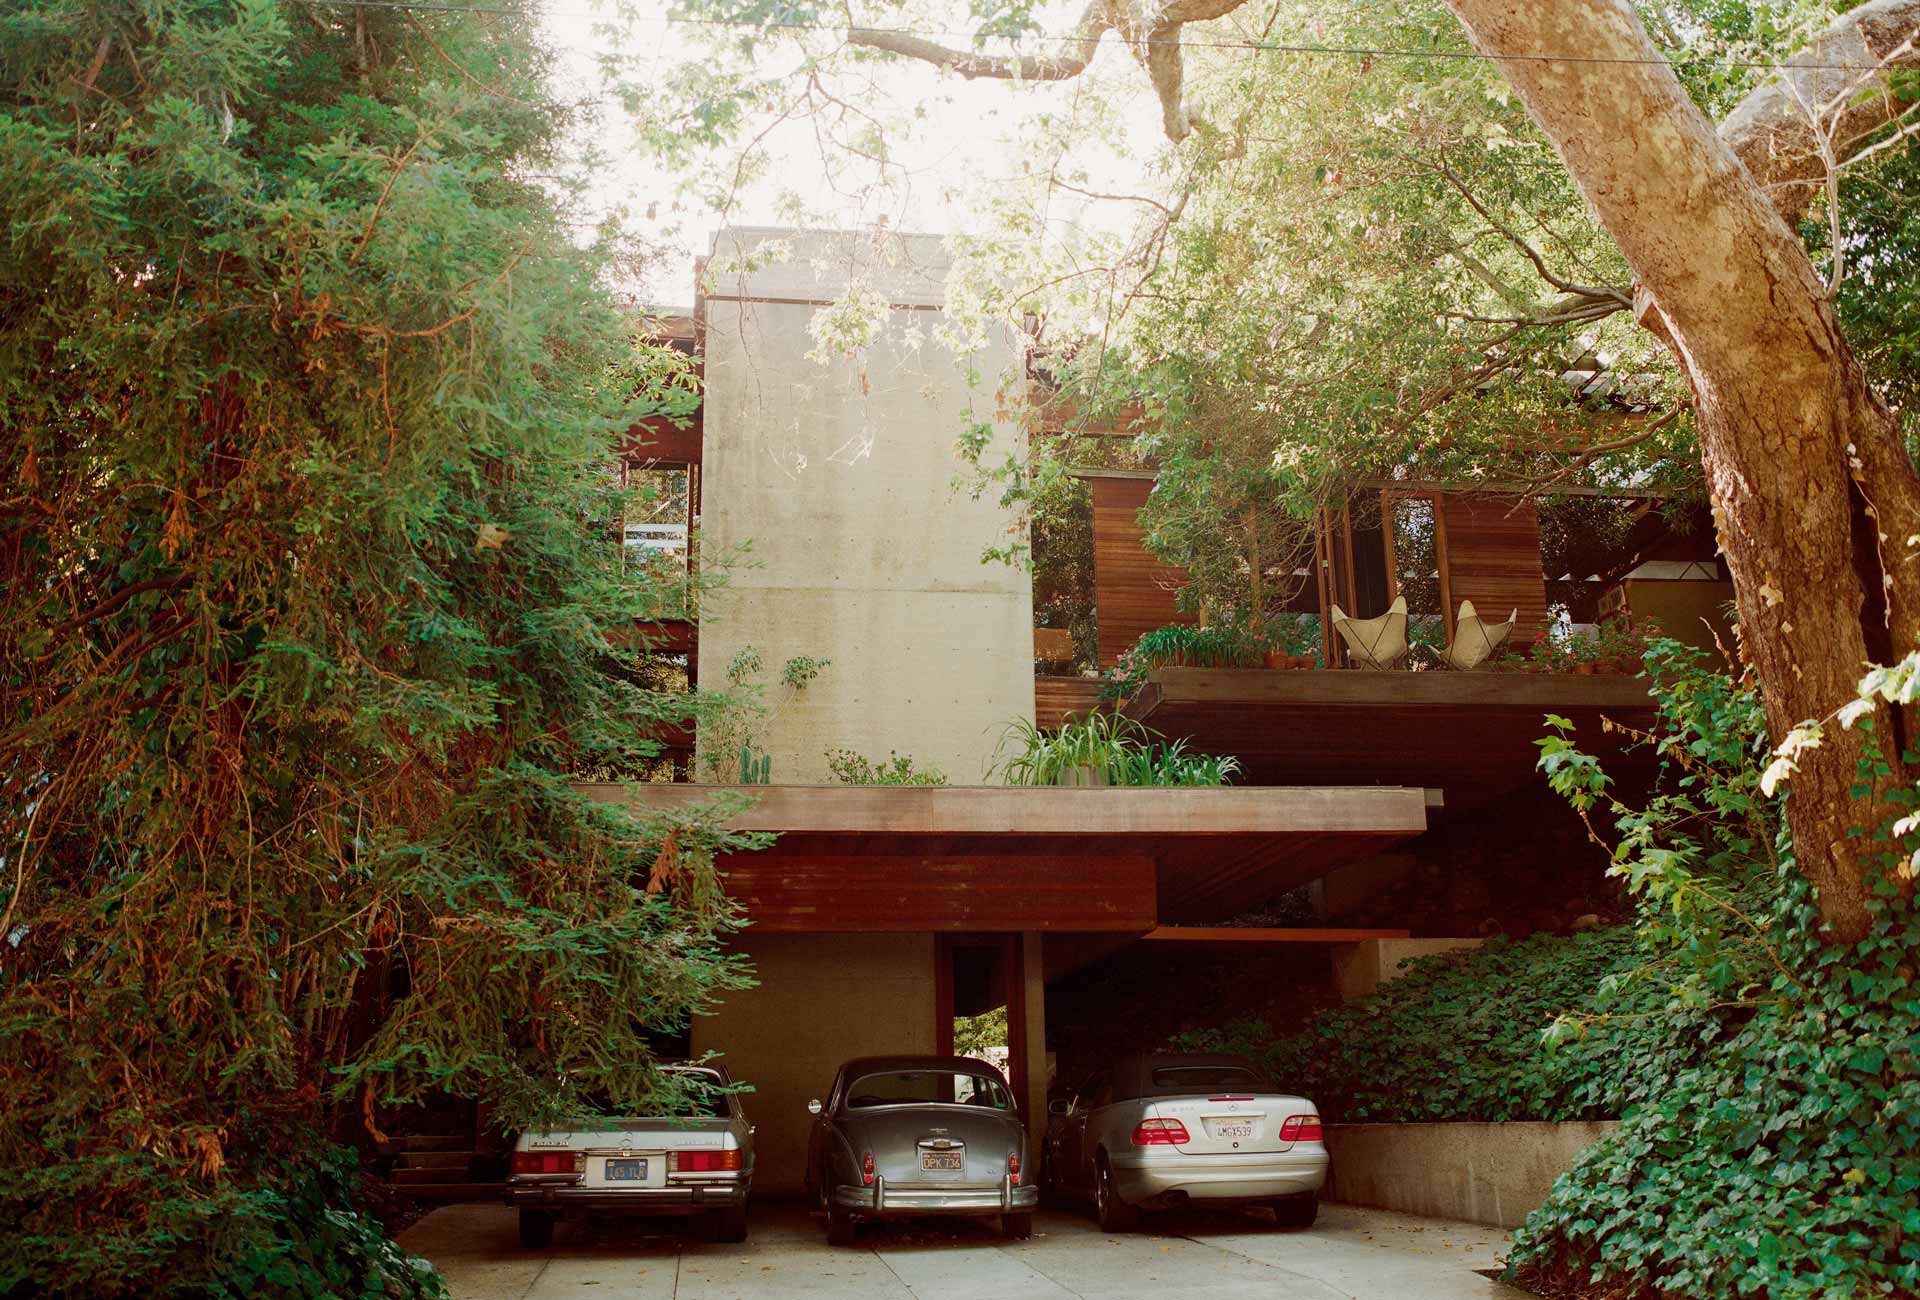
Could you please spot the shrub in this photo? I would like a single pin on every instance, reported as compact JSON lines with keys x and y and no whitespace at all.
{"x":850,"y":768}
{"x":290,"y":1230}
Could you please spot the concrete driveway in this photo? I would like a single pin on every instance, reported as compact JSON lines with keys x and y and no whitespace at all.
{"x":1351,"y":1252}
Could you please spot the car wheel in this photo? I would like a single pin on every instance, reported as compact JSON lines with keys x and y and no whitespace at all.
{"x":730,"y":1224}
{"x":536,"y":1229}
{"x":1297,"y":1211}
{"x":1115,"y":1215}
{"x":839,"y":1225}
{"x":1017,"y":1227}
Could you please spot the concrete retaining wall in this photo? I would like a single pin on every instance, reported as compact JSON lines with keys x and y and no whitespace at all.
{"x":1477,"y":1173}
{"x":1360,"y":968}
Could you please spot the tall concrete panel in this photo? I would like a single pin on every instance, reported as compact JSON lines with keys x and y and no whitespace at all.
{"x":839,"y":477}
{"x":822,"y":998}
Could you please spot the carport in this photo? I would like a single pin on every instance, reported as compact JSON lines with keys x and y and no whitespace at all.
{"x":880,"y":911}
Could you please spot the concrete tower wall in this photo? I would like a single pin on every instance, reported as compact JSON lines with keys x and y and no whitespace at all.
{"x":840,"y":478}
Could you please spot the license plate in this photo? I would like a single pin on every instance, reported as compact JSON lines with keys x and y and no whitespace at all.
{"x":946,"y":1161}
{"x":1232,"y":1128}
{"x":626,"y":1171}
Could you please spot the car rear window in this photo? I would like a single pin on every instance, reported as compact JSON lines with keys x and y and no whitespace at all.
{"x":1206,"y":1078}
{"x":700,"y":1103}
{"x":906,"y":1087}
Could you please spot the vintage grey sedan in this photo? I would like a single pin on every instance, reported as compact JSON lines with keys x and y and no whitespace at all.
{"x":696,"y":1160}
{"x":1166,"y":1130}
{"x":905,"y":1135}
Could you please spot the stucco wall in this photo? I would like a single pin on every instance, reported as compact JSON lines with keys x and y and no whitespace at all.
{"x":822,"y":998}
{"x":1478,"y":1173}
{"x":840,"y":476}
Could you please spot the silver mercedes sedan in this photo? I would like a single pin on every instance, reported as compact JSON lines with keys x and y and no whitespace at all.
{"x":1167,"y":1130}
{"x":697,"y":1160}
{"x":905,"y":1135}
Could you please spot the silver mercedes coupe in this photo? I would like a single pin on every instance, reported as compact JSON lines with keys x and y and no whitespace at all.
{"x":907,"y":1135}
{"x":697,"y":1160}
{"x":1167,"y":1130}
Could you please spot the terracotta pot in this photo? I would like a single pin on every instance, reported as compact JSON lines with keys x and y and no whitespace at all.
{"x":1303,"y":662}
{"x":1275,"y":659}
{"x":1585,"y":670}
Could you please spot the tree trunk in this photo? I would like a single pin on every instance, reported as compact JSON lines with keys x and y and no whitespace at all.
{"x":1816,"y":502}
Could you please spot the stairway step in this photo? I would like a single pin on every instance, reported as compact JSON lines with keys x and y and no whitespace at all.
{"x":451,"y":1191}
{"x":431,"y":1142}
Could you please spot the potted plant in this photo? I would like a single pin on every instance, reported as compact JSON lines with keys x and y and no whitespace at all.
{"x":1291,"y":641}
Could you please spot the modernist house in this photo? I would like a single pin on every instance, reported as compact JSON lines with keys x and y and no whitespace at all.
{"x":1367,"y":799}
{"x":883,"y":912}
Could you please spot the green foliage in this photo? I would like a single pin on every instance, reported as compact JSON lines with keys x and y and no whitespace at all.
{"x":291,"y":1230}
{"x":1223,"y":645}
{"x":1459,"y":1036}
{"x":850,"y":768}
{"x":1785,"y":1161}
{"x":973,"y":1035}
{"x":314,"y":606}
{"x":1103,"y":748}
{"x":732,"y":720}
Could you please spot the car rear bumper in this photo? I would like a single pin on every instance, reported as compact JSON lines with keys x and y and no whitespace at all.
{"x":1146,"y":1177}
{"x":692,"y":1199}
{"x":885,"y":1199}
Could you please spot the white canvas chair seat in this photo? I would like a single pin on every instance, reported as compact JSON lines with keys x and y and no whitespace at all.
{"x":1374,"y":642}
{"x":1475,"y":639}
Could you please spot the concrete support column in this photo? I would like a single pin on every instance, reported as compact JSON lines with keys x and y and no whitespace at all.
{"x":1032,"y":975}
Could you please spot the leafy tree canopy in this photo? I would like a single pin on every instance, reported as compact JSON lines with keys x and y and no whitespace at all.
{"x":314,"y":606}
{"x":1363,"y":261}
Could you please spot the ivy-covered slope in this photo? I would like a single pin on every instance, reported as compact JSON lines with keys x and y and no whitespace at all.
{"x":1460,"y":1037}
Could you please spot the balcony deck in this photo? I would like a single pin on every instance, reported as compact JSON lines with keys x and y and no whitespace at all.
{"x":958,"y":858}
{"x":1469,"y":734}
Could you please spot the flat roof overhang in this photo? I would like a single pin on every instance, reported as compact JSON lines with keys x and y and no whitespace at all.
{"x":959,"y":858}
{"x":1471,"y":734}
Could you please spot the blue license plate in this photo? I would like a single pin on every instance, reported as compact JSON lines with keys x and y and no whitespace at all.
{"x":626,"y":1171}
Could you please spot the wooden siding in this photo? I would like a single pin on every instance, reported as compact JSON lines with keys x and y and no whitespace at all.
{"x":1133,"y":591}
{"x":1493,"y":559}
{"x":1470,"y":735}
{"x":813,"y":891}
{"x":663,"y":441}
{"x":1055,"y":699}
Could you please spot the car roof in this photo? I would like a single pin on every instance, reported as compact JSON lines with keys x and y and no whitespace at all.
{"x":697,"y":1067}
{"x":958,"y":1064}
{"x":1133,"y":1075}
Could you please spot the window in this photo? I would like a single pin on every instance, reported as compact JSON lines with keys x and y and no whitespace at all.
{"x":1207,"y":1078}
{"x":916,"y":1087}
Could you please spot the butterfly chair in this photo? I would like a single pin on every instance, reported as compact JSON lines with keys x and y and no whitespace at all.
{"x":1475,"y":639}
{"x":1374,"y":642}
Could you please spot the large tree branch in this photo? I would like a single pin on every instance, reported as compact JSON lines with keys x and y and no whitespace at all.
{"x":1772,"y":131}
{"x":1151,"y":30}
{"x":1078,"y":51}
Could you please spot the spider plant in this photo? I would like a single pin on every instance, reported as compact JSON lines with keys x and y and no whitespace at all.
{"x":1103,"y":749}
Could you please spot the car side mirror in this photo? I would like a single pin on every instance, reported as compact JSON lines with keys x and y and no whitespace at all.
{"x":814,"y":1107}
{"x":1060,"y":1106}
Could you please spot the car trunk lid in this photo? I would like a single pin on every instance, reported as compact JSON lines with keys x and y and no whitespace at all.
{"x":1226,"y":1123}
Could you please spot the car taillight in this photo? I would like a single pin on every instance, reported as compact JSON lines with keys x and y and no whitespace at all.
{"x":703,"y":1162}
{"x":1013,"y":1169}
{"x":547,"y":1162}
{"x":1160,"y":1133}
{"x":1301,"y":1128}
{"x":1248,"y":1097}
{"x":866,"y":1169}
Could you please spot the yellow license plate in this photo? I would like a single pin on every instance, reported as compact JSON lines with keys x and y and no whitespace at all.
{"x":944,"y":1161}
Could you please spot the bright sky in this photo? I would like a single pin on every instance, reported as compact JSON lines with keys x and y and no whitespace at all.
{"x":965,"y":142}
